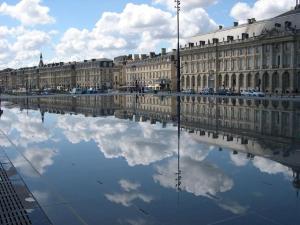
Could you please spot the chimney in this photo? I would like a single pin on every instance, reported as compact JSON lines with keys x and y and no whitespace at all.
{"x":277,"y":25}
{"x":215,"y":40}
{"x":245,"y":36}
{"x":163,"y":51}
{"x":191,"y":45}
{"x":202,"y":43}
{"x":143,"y":56}
{"x":136,"y":57}
{"x":152,"y":55}
{"x":229,"y":38}
{"x":249,"y":21}
{"x":130,"y":57}
{"x":235,"y":24}
{"x":288,"y":24}
{"x":220,"y":27}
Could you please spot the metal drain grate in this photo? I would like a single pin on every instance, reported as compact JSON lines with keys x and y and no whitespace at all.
{"x":12,"y":211}
{"x":17,"y":204}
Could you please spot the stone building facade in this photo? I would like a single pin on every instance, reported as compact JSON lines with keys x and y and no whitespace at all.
{"x":262,"y":55}
{"x":153,"y":71}
{"x":119,"y":79}
{"x":95,"y":73}
{"x":254,"y":117}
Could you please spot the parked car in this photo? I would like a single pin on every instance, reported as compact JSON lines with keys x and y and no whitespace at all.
{"x":76,"y":91}
{"x":246,"y":93}
{"x":258,"y":94}
{"x":222,"y":92}
{"x":148,"y":90}
{"x":189,"y":91}
{"x":91,"y":91}
{"x":207,"y":91}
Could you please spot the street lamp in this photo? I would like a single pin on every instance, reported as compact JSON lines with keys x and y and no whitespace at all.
{"x":178,"y":45}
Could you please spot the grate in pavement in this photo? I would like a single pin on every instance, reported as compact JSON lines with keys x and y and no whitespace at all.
{"x":17,"y":205}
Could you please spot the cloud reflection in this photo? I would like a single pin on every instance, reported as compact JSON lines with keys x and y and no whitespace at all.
{"x":270,"y":167}
{"x":40,"y":158}
{"x":29,"y":128}
{"x":139,"y":143}
{"x":198,"y":178}
{"x":130,"y":195}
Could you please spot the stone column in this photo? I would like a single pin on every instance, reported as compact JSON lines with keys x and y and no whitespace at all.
{"x":261,"y":57}
{"x":271,"y":56}
{"x":281,"y":55}
{"x":280,"y":74}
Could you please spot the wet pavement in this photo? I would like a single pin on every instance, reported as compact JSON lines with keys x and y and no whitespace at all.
{"x":137,"y":160}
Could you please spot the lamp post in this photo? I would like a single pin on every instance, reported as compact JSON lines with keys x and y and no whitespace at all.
{"x":178,"y":173}
{"x":178,"y":45}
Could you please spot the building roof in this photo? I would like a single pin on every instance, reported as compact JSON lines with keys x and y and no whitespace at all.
{"x":253,"y":29}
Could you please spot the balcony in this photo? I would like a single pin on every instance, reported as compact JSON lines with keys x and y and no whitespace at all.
{"x":286,"y":66}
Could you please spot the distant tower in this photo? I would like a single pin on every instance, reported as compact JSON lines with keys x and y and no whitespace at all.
{"x":41,"y":64}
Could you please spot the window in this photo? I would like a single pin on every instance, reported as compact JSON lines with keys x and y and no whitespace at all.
{"x":241,"y":51}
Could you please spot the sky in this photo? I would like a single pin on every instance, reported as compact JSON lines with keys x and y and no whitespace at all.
{"x":73,"y":30}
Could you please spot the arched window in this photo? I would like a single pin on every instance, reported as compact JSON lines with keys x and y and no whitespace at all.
{"x":233,"y":81}
{"x":220,"y":83}
{"x":285,"y":82}
{"x":275,"y":81}
{"x":226,"y":80}
{"x":193,"y":81}
{"x":257,"y":81}
{"x":182,"y":81}
{"x":204,"y":83}
{"x":266,"y":82}
{"x":198,"y":81}
{"x":249,"y":80}
{"x":241,"y":80}
{"x":187,"y":81}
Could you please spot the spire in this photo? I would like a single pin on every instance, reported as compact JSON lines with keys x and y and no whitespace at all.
{"x":41,"y":60}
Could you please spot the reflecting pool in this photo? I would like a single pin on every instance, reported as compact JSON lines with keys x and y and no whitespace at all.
{"x":142,"y":160}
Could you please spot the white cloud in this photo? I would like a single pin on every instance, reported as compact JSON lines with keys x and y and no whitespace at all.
{"x":271,"y":167}
{"x":239,"y":159}
{"x":127,"y":198}
{"x":233,"y":207}
{"x":28,"y":12}
{"x":138,"y":28}
{"x":198,"y":178}
{"x":128,"y":185}
{"x":262,"y":9}
{"x":21,"y":47}
{"x":28,"y":128}
{"x":120,"y":138}
{"x":40,"y":159}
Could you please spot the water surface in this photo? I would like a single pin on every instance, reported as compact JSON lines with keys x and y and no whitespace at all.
{"x":114,"y":159}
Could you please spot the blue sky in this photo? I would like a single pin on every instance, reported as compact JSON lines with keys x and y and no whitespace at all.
{"x":66,"y":30}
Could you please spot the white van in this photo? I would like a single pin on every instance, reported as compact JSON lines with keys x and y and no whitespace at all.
{"x":76,"y":91}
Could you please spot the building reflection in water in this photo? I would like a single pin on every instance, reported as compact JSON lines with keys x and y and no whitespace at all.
{"x":265,"y":128}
